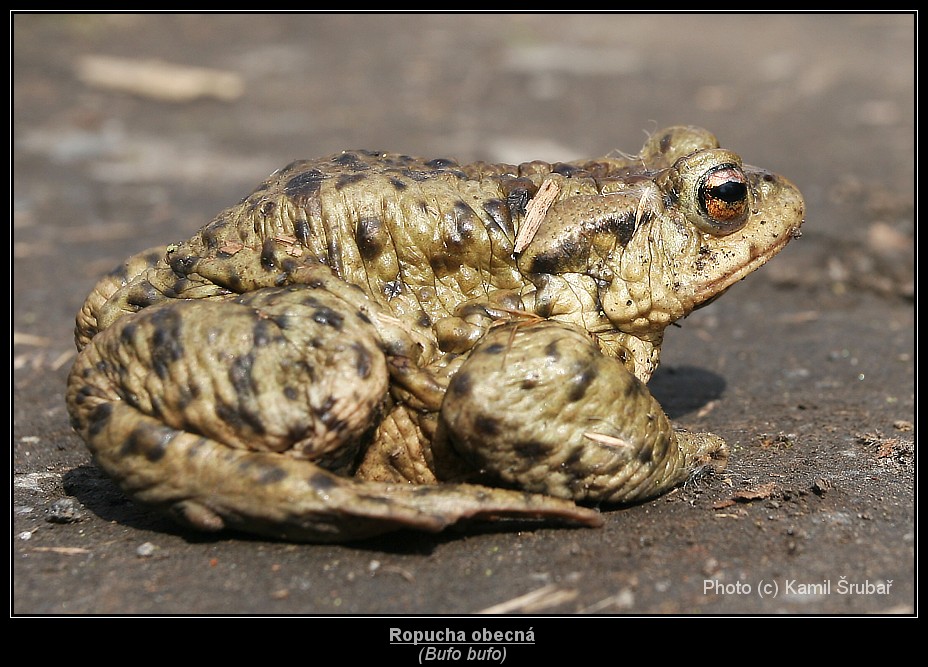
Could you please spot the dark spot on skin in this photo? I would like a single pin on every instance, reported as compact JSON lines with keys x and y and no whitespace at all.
{"x":209,"y":236}
{"x":459,"y":226}
{"x":150,"y":442}
{"x":552,"y":352}
{"x":567,"y":170}
{"x":440,"y":163}
{"x":350,"y":160}
{"x":154,"y":256}
{"x":263,"y":332}
{"x":291,"y":393}
{"x":623,"y":226}
{"x":363,"y":360}
{"x":645,"y":454}
{"x":418,"y":175}
{"x":121,"y":272}
{"x":347,"y":179}
{"x":580,"y":383}
{"x":143,"y":295}
{"x":269,"y":255}
{"x":285,"y":320}
{"x":322,"y":482}
{"x":705,"y":255}
{"x":494,"y":348}
{"x":268,"y":208}
{"x":531,"y":450}
{"x":165,"y":345}
{"x":127,"y":335}
{"x":182,"y":264}
{"x":398,"y":184}
{"x":305,"y":368}
{"x":328,"y":418}
{"x":665,"y":142}
{"x":548,"y":262}
{"x":301,"y":231}
{"x":486,"y":426}
{"x":326,"y":316}
{"x":395,"y":348}
{"x":528,"y":383}
{"x":443,"y":264}
{"x":371,"y":237}
{"x":461,"y":384}
{"x":99,"y":418}
{"x":177,"y":288}
{"x":305,"y":185}
{"x":240,"y":375}
{"x":769,"y":178}
{"x":271,"y":475}
{"x":466,"y":221}
{"x":157,"y":406}
{"x":327,"y":405}
{"x":500,"y":215}
{"x":424,"y":320}
{"x":334,"y":255}
{"x":251,"y":417}
{"x":289,"y":265}
{"x":86,"y":390}
{"x":363,"y":317}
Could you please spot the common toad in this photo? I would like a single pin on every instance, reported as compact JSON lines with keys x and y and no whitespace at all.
{"x":372,"y":341}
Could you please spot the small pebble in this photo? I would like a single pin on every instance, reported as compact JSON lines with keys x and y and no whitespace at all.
{"x":64,"y":510}
{"x":145,"y":549}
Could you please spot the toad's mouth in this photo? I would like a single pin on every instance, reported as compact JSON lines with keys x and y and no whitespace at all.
{"x":709,"y":291}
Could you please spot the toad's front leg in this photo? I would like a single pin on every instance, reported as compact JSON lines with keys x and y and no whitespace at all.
{"x":234,"y":411}
{"x":538,"y":407}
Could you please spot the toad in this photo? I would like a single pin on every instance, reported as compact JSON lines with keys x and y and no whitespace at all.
{"x":371,"y":341}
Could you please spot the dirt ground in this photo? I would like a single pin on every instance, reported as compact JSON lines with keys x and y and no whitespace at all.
{"x":807,"y":368}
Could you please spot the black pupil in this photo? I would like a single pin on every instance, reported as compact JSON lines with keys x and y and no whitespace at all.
{"x":729,"y":192}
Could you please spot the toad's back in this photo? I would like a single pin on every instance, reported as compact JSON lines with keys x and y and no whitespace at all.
{"x":420,"y":236}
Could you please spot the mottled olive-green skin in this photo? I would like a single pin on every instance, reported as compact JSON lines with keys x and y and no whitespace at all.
{"x":356,"y":347}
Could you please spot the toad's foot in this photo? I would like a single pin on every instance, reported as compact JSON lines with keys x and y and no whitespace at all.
{"x":538,"y":407}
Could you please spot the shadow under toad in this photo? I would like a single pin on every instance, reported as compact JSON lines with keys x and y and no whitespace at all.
{"x":684,"y":389}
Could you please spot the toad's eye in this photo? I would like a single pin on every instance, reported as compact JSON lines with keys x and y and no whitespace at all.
{"x":723,"y":198}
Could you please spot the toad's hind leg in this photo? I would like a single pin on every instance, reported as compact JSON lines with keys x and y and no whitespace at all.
{"x":234,"y":413}
{"x":539,"y":407}
{"x":89,"y":318}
